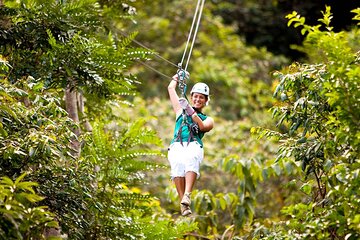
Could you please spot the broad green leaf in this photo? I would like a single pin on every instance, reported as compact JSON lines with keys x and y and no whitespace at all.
{"x":306,"y":188}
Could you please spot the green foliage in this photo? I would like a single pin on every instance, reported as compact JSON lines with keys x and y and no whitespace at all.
{"x":262,"y":23}
{"x":90,"y":196}
{"x":318,"y":111}
{"x":163,"y":229}
{"x":220,"y":57}
{"x":68,"y":44}
{"x":98,"y":69}
{"x":357,"y":16}
{"x":101,"y":193}
{"x":121,"y":146}
{"x":35,"y":139}
{"x":21,"y":218}
{"x":117,"y":209}
{"x":52,"y":44}
{"x":211,"y":209}
{"x":35,"y":130}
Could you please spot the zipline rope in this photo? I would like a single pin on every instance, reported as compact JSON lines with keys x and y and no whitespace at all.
{"x":190,"y":33}
{"x":150,"y":50}
{"x":196,"y":19}
{"x":182,"y":73}
{"x":155,"y":70}
{"x":197,"y":16}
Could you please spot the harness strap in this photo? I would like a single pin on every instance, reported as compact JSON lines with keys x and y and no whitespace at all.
{"x":183,"y":76}
{"x":191,"y":134}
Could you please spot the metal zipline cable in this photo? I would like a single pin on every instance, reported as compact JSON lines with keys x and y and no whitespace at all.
{"x":196,"y":18}
{"x":190,"y":33}
{"x":155,"y":70}
{"x":143,"y":46}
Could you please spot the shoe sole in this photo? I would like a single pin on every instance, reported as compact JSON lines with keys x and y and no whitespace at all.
{"x":186,"y":212}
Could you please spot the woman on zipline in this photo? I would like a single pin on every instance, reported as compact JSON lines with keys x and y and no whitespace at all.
{"x":186,"y":149}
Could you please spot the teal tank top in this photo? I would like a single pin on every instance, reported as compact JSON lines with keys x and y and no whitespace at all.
{"x":185,"y":133}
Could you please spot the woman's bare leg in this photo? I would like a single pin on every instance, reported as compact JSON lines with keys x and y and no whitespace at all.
{"x":190,"y":178}
{"x":180,"y":186}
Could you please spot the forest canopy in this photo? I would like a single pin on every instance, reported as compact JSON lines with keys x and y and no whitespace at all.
{"x":85,"y":120}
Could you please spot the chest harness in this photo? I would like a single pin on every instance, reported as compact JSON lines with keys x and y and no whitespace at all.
{"x":192,"y":127}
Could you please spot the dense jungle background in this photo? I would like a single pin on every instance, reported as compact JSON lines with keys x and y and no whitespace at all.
{"x":85,"y":120}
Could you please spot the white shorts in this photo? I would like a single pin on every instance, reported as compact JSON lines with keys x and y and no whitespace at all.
{"x":185,"y":158}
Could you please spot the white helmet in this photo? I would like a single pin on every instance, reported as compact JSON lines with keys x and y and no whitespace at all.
{"x":201,"y":88}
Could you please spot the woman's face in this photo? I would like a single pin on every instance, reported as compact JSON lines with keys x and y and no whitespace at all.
{"x":198,"y":100}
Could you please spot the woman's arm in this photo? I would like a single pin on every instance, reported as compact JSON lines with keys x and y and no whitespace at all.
{"x":204,"y":126}
{"x":174,"y":98}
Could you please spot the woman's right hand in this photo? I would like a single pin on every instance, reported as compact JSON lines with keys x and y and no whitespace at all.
{"x":184,"y":75}
{"x":175,"y":78}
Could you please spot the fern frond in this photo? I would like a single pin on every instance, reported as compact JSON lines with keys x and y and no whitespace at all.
{"x":137,"y":134}
{"x":120,"y":154}
{"x":127,"y":40}
{"x":139,"y":153}
{"x":134,"y":196}
{"x":139,"y":54}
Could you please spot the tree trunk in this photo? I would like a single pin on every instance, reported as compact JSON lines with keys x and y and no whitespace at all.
{"x":84,"y":119}
{"x":72,"y":109}
{"x":5,"y":22}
